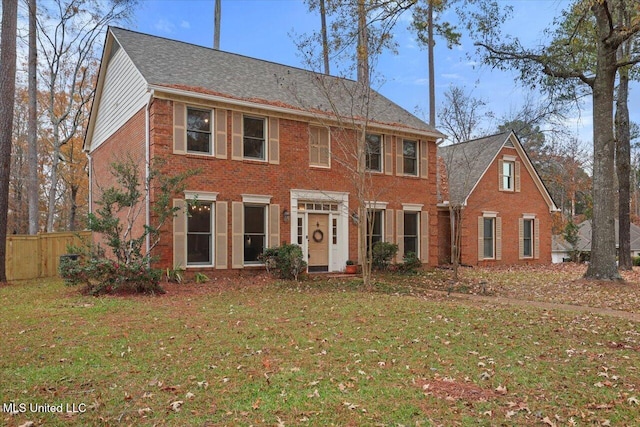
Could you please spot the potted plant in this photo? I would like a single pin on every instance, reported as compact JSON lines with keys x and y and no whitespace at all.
{"x":351,"y":268}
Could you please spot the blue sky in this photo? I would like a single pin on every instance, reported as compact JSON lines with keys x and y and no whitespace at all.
{"x":265,"y":29}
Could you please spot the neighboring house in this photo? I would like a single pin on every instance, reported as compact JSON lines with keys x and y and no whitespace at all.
{"x":273,"y":153}
{"x":562,"y":250}
{"x":506,"y":209}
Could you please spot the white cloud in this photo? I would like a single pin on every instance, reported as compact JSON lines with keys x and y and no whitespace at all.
{"x":164,"y":26}
{"x":185,"y":24}
{"x":452,"y":76}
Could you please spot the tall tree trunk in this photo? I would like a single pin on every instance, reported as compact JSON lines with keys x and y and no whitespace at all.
{"x":623,"y":170}
{"x":32,"y":151}
{"x":602,"y":265}
{"x":432,"y":78}
{"x":325,"y":42}
{"x":7,"y":99}
{"x":216,"y":24}
{"x":363,"y":45}
{"x":73,"y":208}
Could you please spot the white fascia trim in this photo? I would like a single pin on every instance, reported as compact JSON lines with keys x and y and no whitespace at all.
{"x":413,"y":207}
{"x":376,"y":205}
{"x":256,"y":198}
{"x":201,"y":195}
{"x":249,"y":104}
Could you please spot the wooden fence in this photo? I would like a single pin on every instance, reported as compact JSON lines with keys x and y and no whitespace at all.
{"x":32,"y":257}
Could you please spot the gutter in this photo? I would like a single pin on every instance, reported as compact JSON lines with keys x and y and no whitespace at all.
{"x":147,"y":167}
{"x":283,"y":110}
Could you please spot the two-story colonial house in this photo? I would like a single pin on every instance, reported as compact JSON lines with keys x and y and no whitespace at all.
{"x":273,"y":145}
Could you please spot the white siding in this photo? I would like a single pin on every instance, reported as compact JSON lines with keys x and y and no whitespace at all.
{"x":123,"y":94}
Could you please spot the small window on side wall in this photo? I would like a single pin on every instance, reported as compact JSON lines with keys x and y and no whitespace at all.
{"x":198,"y":131}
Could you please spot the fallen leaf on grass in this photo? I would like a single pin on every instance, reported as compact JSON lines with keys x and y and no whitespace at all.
{"x":175,"y":406}
{"x":143,"y":411}
{"x":501,"y":389}
{"x":632,"y":400}
{"x":256,"y":404}
{"x":548,"y":422}
{"x":189,"y":395}
{"x":27,"y":424}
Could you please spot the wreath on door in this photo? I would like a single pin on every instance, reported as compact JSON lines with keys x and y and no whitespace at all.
{"x":318,"y":236}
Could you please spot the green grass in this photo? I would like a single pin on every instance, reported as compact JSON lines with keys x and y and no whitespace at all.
{"x":320,"y":353}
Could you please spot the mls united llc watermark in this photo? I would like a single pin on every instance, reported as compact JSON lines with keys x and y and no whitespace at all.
{"x":67,"y":408}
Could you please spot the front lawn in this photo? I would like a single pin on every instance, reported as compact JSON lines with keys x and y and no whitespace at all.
{"x":321,"y":353}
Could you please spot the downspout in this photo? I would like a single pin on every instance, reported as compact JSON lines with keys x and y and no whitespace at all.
{"x":147,"y":169}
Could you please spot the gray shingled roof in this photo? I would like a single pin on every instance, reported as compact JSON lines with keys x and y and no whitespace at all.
{"x":467,"y":161}
{"x":584,"y":236}
{"x":172,"y":63}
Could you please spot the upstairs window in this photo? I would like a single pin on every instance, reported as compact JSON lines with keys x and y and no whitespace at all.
{"x":410,"y":157}
{"x":198,"y":131}
{"x":373,"y":150}
{"x":508,"y":174}
{"x":254,"y":137}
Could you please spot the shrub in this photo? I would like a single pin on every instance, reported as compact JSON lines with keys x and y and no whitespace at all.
{"x":200,"y":278}
{"x":175,"y":274}
{"x":285,"y":262}
{"x":102,"y":275}
{"x":636,"y":261}
{"x":411,"y":263}
{"x":382,"y":254}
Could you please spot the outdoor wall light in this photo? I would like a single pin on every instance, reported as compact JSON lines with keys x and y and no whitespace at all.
{"x":286,"y":215}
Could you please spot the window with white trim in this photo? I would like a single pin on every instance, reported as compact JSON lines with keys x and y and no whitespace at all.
{"x":411,"y":232}
{"x":410,"y":157}
{"x":200,"y":233}
{"x":373,"y":150}
{"x":489,"y":239}
{"x":527,"y":237}
{"x":255,"y":232}
{"x":254,"y":137}
{"x":375,"y":225}
{"x":199,"y":131}
{"x":508,"y":175}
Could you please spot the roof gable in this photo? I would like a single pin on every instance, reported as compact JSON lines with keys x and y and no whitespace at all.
{"x":467,"y":162}
{"x":186,"y":67}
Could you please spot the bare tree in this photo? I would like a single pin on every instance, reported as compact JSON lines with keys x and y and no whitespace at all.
{"x":7,"y":94}
{"x":70,"y":32}
{"x":461,"y":115}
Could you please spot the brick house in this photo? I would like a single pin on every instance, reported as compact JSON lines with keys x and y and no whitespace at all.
{"x":272,"y":150}
{"x":506,"y":209}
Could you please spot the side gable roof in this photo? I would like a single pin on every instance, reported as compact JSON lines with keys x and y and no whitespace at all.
{"x":584,"y":236}
{"x":467,"y":162}
{"x":169,"y":65}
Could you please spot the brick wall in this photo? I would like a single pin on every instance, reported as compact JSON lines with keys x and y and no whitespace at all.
{"x":510,"y":206}
{"x":231,"y":178}
{"x":127,"y":142}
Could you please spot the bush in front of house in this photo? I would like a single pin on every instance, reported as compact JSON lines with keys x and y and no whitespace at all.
{"x":411,"y":263}
{"x":285,"y":262}
{"x":127,"y":266}
{"x":382,"y":254}
{"x":636,"y":261}
{"x":101,"y":275}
